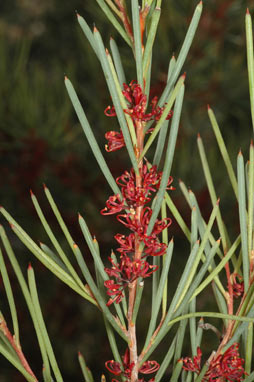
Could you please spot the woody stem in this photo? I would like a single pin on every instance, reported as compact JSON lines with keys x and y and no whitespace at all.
{"x":137,"y":256}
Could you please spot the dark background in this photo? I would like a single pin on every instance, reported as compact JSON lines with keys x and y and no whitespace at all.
{"x":41,"y":141}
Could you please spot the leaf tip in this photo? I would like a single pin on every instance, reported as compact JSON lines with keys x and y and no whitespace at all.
{"x":218,"y":201}
{"x":95,"y":29}
{"x":29,"y":268}
{"x":247,"y":11}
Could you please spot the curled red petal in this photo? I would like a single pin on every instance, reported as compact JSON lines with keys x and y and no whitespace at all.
{"x":110,"y":111}
{"x":114,"y":367}
{"x":149,"y":367}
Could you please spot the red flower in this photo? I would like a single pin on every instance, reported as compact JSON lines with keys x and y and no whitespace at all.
{"x":115,"y":368}
{"x":114,"y":204}
{"x":194,"y":365}
{"x":115,"y":140}
{"x":125,"y":272}
{"x":228,"y":366}
{"x":238,"y":287}
{"x":137,"y":104}
{"x":127,"y":243}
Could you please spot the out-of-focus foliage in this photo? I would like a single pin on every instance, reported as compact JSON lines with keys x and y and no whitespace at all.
{"x":41,"y":141}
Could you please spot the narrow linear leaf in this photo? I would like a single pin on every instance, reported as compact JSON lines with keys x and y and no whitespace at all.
{"x":99,"y":298}
{"x":159,"y":294}
{"x":150,"y":40}
{"x":122,"y":100}
{"x":114,"y":21}
{"x":177,"y":216}
{"x":218,"y":268}
{"x":223,"y":150}
{"x":52,"y":237}
{"x":17,"y":364}
{"x":88,"y":33}
{"x":115,"y":99}
{"x":84,"y":368}
{"x":249,"y":348}
{"x":137,"y":41}
{"x":25,"y":291}
{"x":164,"y":115}
{"x":9,"y":294}
{"x":212,"y":192}
{"x":168,"y":159}
{"x":183,"y":53}
{"x":164,"y":129}
{"x":41,"y":323}
{"x":250,"y":199}
{"x":192,"y":270}
{"x":250,"y":61}
{"x":211,"y":314}
{"x":90,"y":136}
{"x":243,"y":219}
{"x":177,"y":370}
{"x":166,"y":361}
{"x":117,"y":62}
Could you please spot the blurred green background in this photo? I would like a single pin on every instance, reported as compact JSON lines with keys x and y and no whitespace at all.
{"x":41,"y":141}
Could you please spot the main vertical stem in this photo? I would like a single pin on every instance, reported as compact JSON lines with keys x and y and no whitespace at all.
{"x":137,"y":256}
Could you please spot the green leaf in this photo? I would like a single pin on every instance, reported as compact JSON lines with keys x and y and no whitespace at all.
{"x":164,"y":129}
{"x":188,"y":278}
{"x":218,"y":268}
{"x":250,"y":198}
{"x":90,"y":136}
{"x":249,"y":348}
{"x":42,"y":326}
{"x":211,"y":314}
{"x":180,"y":337}
{"x":166,"y":361}
{"x":16,"y":363}
{"x":183,"y":53}
{"x":250,"y":61}
{"x":99,"y":298}
{"x":139,"y":293}
{"x":150,"y":40}
{"x":85,"y":371}
{"x":177,"y":216}
{"x":42,"y":257}
{"x":212,"y":192}
{"x":52,"y":237}
{"x":137,"y":41}
{"x":115,"y":98}
{"x":117,"y":62}
{"x":168,"y":159}
{"x":114,"y":21}
{"x":25,"y":291}
{"x":122,"y":100}
{"x":223,"y":150}
{"x":159,"y":294}
{"x":179,"y":86}
{"x":11,"y":301}
{"x":88,"y":33}
{"x":176,"y":371}
{"x":243,"y":219}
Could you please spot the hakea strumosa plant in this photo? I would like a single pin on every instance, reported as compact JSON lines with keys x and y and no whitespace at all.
{"x":140,"y":194}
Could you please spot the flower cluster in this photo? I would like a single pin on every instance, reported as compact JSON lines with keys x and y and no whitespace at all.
{"x":137,"y":104}
{"x":238,"y":287}
{"x":228,"y":366}
{"x":134,"y":197}
{"x":114,"y":367}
